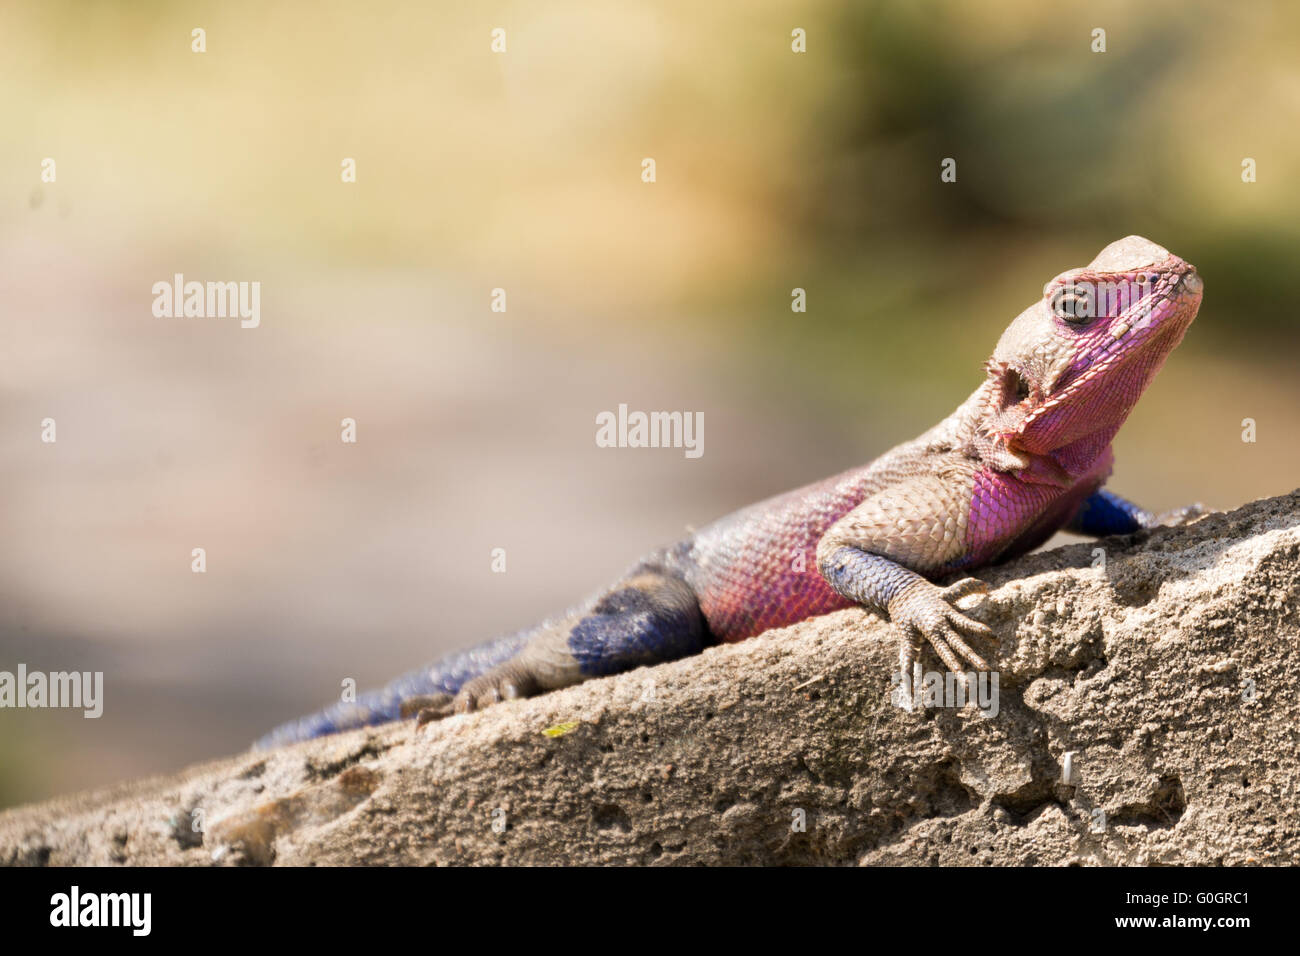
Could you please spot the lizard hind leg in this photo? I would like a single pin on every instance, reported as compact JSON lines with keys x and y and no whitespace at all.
{"x":648,"y":617}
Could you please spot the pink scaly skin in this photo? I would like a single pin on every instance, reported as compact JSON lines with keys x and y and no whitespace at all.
{"x":1024,"y":456}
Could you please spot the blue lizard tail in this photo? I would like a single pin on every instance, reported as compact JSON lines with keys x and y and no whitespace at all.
{"x":446,"y":676}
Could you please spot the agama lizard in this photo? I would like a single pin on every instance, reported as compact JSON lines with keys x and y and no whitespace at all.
{"x":1024,"y":456}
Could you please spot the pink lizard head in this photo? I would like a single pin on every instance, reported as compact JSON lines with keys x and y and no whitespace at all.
{"x":1070,"y":368}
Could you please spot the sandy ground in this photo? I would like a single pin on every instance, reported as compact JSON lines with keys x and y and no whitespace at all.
{"x":1139,"y":717}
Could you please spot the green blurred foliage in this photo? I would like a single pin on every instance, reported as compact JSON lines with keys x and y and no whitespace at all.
{"x":1059,"y":150}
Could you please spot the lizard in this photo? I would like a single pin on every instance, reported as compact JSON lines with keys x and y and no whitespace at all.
{"x":1023,"y":457}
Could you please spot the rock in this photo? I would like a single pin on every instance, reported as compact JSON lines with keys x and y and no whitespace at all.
{"x":1165,"y":675}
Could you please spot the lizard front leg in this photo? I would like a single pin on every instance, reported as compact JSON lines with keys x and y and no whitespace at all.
{"x":862,"y":558}
{"x":920,"y":609}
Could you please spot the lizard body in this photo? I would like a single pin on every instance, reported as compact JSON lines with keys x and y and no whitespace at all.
{"x":1024,"y":456}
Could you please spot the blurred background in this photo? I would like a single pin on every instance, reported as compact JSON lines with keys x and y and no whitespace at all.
{"x":522,"y":170}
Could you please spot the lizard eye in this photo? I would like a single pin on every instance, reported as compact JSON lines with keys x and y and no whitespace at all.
{"x":1074,"y":304}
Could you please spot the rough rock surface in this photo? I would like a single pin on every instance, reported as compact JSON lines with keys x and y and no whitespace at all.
{"x":1168,"y":675}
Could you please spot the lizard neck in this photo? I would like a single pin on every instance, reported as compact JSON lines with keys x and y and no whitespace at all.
{"x":977,"y":429}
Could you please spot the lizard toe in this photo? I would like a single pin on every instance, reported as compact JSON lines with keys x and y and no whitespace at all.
{"x":909,"y":647}
{"x":501,"y":683}
{"x":412,"y":706}
{"x":429,"y":714}
{"x":1183,"y":515}
{"x":965,"y":650}
{"x":969,"y":627}
{"x":939,"y":640}
{"x":963,"y":588}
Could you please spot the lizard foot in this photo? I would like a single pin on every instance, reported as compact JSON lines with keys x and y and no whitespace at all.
{"x":925,"y":613}
{"x":1180,"y":516}
{"x":418,"y":706}
{"x":507,"y":681}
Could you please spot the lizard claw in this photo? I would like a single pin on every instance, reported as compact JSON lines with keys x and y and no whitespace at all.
{"x":909,"y":647}
{"x":924,"y":612}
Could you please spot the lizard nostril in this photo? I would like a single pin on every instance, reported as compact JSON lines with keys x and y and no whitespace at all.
{"x":1192,"y":283}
